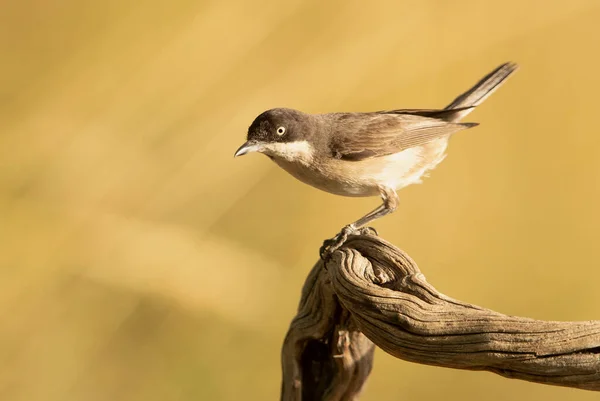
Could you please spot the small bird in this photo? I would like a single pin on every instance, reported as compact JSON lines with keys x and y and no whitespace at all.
{"x":365,"y":154}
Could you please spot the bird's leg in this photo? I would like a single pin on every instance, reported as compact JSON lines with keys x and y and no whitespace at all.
{"x":390,"y":203}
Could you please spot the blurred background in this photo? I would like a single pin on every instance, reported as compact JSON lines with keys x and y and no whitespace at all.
{"x":140,"y":261}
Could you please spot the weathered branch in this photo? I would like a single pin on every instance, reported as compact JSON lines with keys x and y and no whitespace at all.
{"x":372,"y":292}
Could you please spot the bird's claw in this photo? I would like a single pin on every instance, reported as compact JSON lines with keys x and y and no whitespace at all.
{"x":368,"y":231}
{"x":333,"y":244}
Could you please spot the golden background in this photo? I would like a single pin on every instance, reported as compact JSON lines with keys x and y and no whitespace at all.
{"x":140,"y":261}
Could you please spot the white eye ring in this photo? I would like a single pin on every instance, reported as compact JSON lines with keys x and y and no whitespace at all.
{"x":280,"y":131}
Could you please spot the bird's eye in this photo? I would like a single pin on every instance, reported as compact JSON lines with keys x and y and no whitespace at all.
{"x":280,"y":131}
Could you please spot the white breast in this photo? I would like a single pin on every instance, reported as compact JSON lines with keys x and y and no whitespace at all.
{"x":358,"y":178}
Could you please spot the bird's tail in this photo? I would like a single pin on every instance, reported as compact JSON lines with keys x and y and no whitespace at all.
{"x":478,"y":93}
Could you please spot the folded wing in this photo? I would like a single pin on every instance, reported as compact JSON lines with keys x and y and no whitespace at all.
{"x":360,"y":136}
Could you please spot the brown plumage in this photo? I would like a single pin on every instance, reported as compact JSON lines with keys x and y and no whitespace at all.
{"x":364,"y":154}
{"x":360,"y":136}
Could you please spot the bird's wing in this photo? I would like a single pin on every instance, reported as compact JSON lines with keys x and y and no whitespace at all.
{"x":443,"y":114}
{"x":359,"y":136}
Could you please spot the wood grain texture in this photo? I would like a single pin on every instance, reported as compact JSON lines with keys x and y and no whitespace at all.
{"x":371,"y":293}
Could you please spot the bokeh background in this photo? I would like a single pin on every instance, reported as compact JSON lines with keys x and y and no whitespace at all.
{"x":140,"y":261}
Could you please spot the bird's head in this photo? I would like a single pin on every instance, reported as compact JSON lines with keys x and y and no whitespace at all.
{"x":280,"y":133}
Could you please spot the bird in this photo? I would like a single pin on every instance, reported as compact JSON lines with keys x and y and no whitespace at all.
{"x":368,"y":153}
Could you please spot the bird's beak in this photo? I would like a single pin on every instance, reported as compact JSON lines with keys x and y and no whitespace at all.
{"x":249,"y":146}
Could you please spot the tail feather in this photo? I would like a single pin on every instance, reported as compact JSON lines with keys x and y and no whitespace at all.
{"x":478,"y":93}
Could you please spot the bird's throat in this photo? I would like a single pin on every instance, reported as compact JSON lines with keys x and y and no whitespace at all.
{"x":293,"y":152}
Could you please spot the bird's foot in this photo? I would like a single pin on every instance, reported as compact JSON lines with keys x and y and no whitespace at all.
{"x":368,"y":231}
{"x":333,"y":244}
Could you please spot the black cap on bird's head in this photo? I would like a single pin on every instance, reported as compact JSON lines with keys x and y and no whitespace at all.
{"x":275,"y":126}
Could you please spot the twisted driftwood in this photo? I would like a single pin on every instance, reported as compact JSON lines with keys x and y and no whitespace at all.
{"x":371,"y":293}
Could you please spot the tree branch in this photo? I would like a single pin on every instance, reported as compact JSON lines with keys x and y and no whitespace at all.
{"x":372,"y":292}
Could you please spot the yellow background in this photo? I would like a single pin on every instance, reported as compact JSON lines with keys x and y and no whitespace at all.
{"x":140,"y":261}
